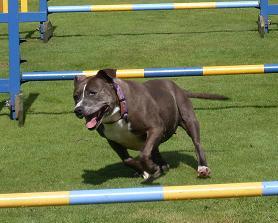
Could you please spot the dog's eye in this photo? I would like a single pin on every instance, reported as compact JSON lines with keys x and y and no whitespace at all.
{"x":91,"y":93}
{"x":76,"y":97}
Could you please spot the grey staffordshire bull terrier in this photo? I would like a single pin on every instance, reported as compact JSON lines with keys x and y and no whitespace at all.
{"x":137,"y":116}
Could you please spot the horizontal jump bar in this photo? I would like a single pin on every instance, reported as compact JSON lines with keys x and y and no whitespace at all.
{"x":156,"y":72}
{"x":143,"y":194}
{"x":158,"y":6}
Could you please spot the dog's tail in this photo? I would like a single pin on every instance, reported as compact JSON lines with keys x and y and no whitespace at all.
{"x":206,"y":96}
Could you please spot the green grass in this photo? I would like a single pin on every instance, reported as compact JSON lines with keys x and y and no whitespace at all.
{"x":53,"y":151}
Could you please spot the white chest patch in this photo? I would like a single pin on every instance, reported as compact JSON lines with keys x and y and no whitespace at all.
{"x":120,"y":132}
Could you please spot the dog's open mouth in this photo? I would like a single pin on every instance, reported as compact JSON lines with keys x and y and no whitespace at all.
{"x":94,"y":120}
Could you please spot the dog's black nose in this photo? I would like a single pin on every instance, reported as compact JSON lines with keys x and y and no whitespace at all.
{"x":79,"y":112}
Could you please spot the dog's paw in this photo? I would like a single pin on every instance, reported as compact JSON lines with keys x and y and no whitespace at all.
{"x":165,"y":168}
{"x":203,"y":171}
{"x":146,"y":175}
{"x":149,"y":178}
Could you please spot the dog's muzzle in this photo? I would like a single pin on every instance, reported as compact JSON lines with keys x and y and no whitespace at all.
{"x":79,"y":112}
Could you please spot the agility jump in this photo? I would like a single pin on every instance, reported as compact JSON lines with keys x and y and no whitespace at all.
{"x":12,"y":85}
{"x":46,"y":29}
{"x":265,"y":8}
{"x":143,"y":194}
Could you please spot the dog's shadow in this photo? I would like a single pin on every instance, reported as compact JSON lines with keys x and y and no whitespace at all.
{"x":118,"y":170}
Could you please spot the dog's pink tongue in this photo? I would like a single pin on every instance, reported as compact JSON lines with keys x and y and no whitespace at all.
{"x":92,"y":123}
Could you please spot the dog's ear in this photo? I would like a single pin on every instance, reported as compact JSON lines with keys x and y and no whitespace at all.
{"x":79,"y":79}
{"x":107,"y":74}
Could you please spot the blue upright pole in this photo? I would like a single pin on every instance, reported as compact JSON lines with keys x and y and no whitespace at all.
{"x":267,"y":9}
{"x":14,"y":51}
{"x":264,"y":14}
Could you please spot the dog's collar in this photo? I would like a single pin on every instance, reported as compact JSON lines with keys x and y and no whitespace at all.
{"x":122,"y":100}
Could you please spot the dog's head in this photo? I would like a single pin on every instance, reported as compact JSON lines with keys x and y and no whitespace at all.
{"x":94,"y":97}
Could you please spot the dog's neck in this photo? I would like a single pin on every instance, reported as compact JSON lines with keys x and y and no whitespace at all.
{"x":122,"y":100}
{"x":113,"y":117}
{"x":120,"y":110}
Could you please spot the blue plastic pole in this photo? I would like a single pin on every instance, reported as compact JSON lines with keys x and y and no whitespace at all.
{"x":14,"y":50}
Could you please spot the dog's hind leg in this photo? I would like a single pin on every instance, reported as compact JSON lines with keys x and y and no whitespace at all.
{"x":190,"y":124}
{"x":127,"y":159}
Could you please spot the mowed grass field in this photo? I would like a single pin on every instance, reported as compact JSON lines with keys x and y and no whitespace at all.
{"x":54,"y":151}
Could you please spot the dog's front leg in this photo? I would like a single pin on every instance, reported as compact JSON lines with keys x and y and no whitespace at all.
{"x":153,"y":140}
{"x":127,"y":159}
